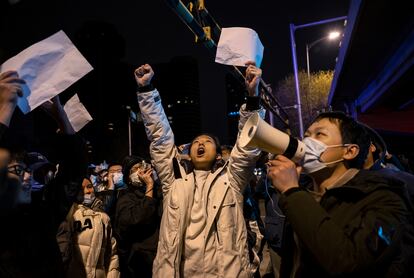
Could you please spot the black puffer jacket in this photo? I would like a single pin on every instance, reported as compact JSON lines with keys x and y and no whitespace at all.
{"x":137,"y":223}
{"x":362,"y":229}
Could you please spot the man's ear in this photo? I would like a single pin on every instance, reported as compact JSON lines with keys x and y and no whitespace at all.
{"x":218,"y":156}
{"x":351,"y":152}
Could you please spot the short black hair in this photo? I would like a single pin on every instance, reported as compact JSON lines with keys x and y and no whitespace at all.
{"x":128,"y":163}
{"x":226,"y":147}
{"x":18,"y":156}
{"x":378,"y":142}
{"x":114,"y":163}
{"x":352,"y":132}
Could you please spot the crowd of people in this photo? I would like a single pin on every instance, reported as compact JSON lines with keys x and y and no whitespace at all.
{"x":192,"y":211}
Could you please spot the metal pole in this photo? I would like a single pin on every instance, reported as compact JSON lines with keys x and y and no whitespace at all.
{"x":295,"y":63}
{"x":129,"y":131}
{"x":295,"y":71}
{"x":320,"y":22}
{"x":307,"y":61}
{"x":308,"y":48}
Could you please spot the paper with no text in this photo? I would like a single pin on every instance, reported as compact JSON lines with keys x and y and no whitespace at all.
{"x":48,"y":67}
{"x":238,"y":45}
{"x":77,"y":113}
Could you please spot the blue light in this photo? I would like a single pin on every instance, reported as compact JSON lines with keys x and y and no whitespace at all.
{"x":383,"y":236}
{"x":233,"y":114}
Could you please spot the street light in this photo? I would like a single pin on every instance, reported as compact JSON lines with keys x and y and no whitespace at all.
{"x":332,"y":36}
{"x":293,"y":28}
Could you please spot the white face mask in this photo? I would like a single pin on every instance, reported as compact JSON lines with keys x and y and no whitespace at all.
{"x":314,"y":150}
{"x":118,"y":179}
{"x":135,"y":180}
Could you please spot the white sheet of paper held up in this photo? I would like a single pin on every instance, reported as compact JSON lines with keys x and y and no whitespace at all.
{"x":48,"y":67}
{"x":237,"y":45}
{"x":77,"y":113}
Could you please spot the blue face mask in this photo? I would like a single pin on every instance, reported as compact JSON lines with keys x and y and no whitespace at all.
{"x":88,"y":199}
{"x":36,"y":186}
{"x":25,"y":193}
{"x":314,"y":149}
{"x":93,"y":179}
{"x":118,"y":179}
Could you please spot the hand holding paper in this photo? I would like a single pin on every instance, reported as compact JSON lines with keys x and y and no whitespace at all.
{"x":10,"y":92}
{"x":54,"y":108}
{"x":253,"y":77}
{"x":48,"y":67}
{"x":238,"y":45}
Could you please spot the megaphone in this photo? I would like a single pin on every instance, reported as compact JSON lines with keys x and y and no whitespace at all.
{"x":257,"y":133}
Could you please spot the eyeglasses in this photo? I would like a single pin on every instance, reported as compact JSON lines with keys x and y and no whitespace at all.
{"x":18,"y":170}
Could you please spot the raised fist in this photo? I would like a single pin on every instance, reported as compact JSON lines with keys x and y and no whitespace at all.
{"x":143,"y":75}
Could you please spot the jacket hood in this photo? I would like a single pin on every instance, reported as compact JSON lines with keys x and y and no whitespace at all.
{"x":366,"y":181}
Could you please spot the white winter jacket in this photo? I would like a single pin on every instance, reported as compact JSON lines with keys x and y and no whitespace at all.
{"x":85,"y":238}
{"x":225,"y":243}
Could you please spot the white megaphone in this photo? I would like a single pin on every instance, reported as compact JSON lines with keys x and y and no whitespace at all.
{"x":257,"y":133}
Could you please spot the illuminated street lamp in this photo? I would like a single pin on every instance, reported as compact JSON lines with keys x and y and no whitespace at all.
{"x":293,"y":28}
{"x":332,"y":36}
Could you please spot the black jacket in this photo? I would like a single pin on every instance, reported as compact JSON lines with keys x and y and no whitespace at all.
{"x":137,"y":223}
{"x":362,"y":229}
{"x":28,"y":246}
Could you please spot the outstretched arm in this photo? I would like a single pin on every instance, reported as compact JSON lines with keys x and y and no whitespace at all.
{"x":157,"y":127}
{"x":243,"y":159}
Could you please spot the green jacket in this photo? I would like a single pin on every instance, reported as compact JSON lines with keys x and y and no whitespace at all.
{"x":364,"y":228}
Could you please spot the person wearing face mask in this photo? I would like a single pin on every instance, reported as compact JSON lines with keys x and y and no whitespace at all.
{"x":137,"y":218}
{"x":28,"y":246}
{"x":115,"y":176}
{"x":355,"y":223}
{"x":114,"y":188}
{"x":85,"y":238}
{"x":87,"y":196}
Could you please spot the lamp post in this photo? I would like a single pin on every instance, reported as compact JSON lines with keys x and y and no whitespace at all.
{"x":293,"y":28}
{"x":332,"y":36}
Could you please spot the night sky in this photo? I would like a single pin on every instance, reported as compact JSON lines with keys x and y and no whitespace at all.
{"x":154,"y":34}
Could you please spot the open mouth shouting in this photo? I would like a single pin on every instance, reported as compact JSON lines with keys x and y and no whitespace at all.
{"x":200,"y":151}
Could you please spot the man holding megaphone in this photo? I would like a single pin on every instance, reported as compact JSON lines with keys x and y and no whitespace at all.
{"x":354,"y":223}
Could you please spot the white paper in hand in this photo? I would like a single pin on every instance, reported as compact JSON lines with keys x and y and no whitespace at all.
{"x":238,"y":45}
{"x":48,"y":67}
{"x":77,"y":113}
